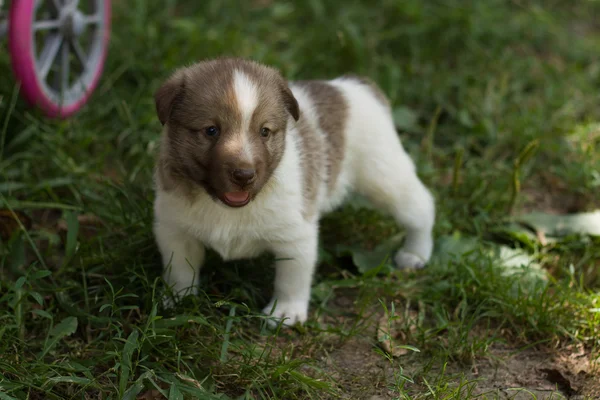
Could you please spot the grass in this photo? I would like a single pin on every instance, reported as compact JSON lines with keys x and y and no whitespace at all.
{"x":497,"y":103}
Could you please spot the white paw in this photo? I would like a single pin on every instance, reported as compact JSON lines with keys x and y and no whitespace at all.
{"x":290,"y":312}
{"x":405,"y":259}
{"x":171,"y":297}
{"x":168,"y":302}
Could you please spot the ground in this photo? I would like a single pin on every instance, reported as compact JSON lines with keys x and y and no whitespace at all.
{"x":497,"y":103}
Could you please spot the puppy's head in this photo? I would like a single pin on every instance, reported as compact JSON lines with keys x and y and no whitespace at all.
{"x":225,"y":124}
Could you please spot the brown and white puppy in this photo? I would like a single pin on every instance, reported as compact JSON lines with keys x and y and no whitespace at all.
{"x":248,"y":163}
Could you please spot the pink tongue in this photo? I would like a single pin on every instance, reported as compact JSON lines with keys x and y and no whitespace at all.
{"x":237,"y":197}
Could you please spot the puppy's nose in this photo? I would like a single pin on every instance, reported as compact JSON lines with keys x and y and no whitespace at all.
{"x":243,"y":176}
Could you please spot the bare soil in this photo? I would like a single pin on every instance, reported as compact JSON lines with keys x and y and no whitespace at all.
{"x":361,"y":370}
{"x":505,"y":373}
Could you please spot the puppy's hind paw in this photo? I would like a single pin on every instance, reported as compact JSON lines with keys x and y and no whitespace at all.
{"x":290,"y":312}
{"x":168,"y":302}
{"x":406,"y":260}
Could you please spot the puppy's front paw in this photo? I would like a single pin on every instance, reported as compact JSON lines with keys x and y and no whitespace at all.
{"x":173,"y":296}
{"x":288,"y":311}
{"x":405,"y":259}
{"x":168,"y":302}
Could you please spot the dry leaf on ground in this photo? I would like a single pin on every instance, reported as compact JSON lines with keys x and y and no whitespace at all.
{"x":393,"y":332}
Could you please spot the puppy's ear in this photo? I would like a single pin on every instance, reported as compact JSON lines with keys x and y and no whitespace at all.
{"x":167,"y":93}
{"x":290,"y":102}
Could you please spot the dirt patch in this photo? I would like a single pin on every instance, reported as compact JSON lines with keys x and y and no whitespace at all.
{"x":509,"y":373}
{"x":362,"y":371}
{"x":359,"y":371}
{"x":506,"y":373}
{"x":549,"y":193}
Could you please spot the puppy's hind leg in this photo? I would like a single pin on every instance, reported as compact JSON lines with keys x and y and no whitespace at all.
{"x":391,"y":183}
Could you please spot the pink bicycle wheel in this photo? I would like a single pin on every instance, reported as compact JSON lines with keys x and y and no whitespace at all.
{"x":58,"y":49}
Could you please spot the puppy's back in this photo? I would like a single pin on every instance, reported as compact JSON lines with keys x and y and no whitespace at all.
{"x":339,"y":119}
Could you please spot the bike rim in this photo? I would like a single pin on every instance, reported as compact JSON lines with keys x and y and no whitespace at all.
{"x":68,"y":47}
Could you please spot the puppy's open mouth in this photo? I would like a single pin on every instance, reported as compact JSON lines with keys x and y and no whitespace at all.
{"x":236,"y":199}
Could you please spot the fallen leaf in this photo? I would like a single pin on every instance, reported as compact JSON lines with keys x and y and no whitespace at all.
{"x":514,"y":262}
{"x":88,"y":225}
{"x":452,"y":247}
{"x":576,"y":359}
{"x":188,"y":379}
{"x":517,"y":261}
{"x":366,"y":260}
{"x":90,"y":219}
{"x":394,"y":331}
{"x":518,"y":233}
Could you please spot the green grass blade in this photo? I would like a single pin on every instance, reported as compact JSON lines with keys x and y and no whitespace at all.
{"x":126,"y":360}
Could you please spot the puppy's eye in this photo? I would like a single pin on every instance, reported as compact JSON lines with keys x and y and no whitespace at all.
{"x":265,"y":132}
{"x":211,"y":131}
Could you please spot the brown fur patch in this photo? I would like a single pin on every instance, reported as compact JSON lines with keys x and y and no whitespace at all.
{"x":311,"y":152}
{"x":375,"y":89}
{"x":201,"y":96}
{"x":332,"y":112}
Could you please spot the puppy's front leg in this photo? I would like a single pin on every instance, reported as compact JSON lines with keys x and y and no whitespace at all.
{"x":182,"y":256}
{"x":294,"y":269}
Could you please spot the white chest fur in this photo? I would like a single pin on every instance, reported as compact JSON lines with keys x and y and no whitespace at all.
{"x":234,"y":234}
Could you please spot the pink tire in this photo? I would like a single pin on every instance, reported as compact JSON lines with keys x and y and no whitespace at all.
{"x":33,"y":65}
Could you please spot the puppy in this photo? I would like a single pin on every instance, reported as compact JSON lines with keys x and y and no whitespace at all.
{"x":248,"y":163}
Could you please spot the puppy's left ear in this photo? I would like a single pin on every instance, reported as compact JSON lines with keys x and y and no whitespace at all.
{"x":290,"y":102}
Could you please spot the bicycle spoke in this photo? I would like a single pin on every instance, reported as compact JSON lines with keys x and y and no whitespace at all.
{"x":79,"y":53}
{"x":92,"y":19}
{"x":64,"y":69}
{"x":57,"y":4}
{"x":45,"y":25}
{"x":49,"y":53}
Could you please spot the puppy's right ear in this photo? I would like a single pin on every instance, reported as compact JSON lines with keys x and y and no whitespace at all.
{"x":291,"y":104}
{"x":166,"y":95}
